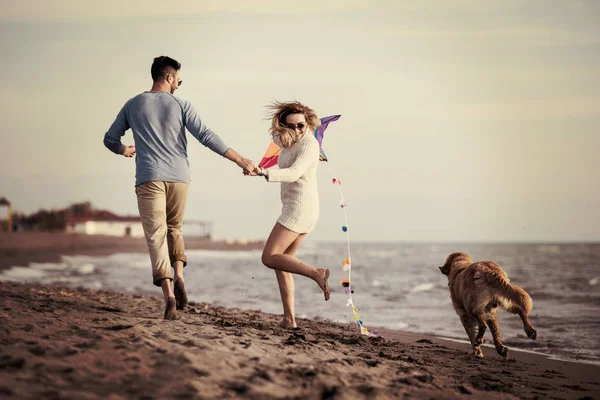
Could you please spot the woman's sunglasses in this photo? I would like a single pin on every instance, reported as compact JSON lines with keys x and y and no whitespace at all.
{"x":293,"y":127}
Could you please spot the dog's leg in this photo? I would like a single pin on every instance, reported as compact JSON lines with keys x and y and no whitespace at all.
{"x":469,"y":325}
{"x":493,"y":324}
{"x":527,"y":326}
{"x":480,"y":332}
{"x":482,"y":328}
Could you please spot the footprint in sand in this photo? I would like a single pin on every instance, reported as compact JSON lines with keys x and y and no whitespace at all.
{"x":9,"y":362}
{"x":37,"y":350}
{"x":200,"y":372}
{"x":69,"y":351}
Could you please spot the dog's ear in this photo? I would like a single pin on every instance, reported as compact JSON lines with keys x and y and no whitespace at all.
{"x":445,"y":269}
{"x":457,"y":256}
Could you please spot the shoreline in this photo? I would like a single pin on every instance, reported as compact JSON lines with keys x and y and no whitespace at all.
{"x":44,"y":247}
{"x":491,"y":347}
{"x":22,"y":248}
{"x":75,"y":342}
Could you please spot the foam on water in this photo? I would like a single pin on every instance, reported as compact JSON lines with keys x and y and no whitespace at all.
{"x":546,"y":248}
{"x":422,"y":287}
{"x":399,"y":326}
{"x":381,"y":254}
{"x":23,"y":274}
{"x":49,"y":266}
{"x":87,"y":268}
{"x":224,"y":255}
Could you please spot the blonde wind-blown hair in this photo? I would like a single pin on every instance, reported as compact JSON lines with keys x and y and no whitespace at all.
{"x":278,"y":112}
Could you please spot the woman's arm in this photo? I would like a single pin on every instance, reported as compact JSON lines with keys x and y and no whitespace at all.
{"x":309,"y":153}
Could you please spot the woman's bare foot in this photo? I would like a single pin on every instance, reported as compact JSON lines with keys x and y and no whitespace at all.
{"x":288,"y":323}
{"x":322,"y":281}
{"x":180,"y":294}
{"x":170,"y":310}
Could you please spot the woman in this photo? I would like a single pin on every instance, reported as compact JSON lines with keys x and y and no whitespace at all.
{"x":292,"y":125}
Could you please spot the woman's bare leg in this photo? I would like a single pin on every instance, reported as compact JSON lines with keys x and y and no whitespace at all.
{"x":275,"y":258}
{"x":286,"y":287}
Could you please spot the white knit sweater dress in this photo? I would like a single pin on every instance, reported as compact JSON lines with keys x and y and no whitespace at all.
{"x":298,"y":176}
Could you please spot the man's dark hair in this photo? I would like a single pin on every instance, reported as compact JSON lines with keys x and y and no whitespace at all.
{"x":161,"y":64}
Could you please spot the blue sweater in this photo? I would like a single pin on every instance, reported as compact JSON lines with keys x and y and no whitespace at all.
{"x":158,"y":121}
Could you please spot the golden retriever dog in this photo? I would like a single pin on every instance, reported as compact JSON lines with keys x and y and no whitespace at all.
{"x":477,"y":289}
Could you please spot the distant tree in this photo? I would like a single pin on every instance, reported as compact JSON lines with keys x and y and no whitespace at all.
{"x":81,"y":209}
{"x":55,"y":220}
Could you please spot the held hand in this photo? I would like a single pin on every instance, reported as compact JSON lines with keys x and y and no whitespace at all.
{"x":254,"y":172}
{"x":247,"y":165}
{"x":129,"y":151}
{"x":258,"y":171}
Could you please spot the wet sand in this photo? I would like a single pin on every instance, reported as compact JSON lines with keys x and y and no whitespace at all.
{"x":80,"y":343}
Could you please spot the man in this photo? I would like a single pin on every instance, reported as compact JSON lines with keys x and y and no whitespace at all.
{"x":158,"y":121}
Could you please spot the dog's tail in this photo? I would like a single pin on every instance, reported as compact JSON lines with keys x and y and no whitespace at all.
{"x":509,"y":295}
{"x":520,"y":298}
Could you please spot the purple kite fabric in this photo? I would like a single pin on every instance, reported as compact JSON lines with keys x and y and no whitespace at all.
{"x":320,"y":131}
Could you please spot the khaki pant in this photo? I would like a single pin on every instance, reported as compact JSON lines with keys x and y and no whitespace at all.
{"x":162,"y":205}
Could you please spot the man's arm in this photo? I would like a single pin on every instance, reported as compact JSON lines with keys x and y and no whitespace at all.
{"x":208,"y":138}
{"x":245,"y":164}
{"x":112,"y":138}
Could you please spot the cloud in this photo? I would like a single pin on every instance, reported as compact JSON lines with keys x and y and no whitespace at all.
{"x":49,"y":10}
{"x":516,"y":36}
{"x":531,"y":110}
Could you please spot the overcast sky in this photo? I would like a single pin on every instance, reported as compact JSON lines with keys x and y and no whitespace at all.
{"x":461,"y":120}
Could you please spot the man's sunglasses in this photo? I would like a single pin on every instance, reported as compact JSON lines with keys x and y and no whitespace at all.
{"x":179,"y":82}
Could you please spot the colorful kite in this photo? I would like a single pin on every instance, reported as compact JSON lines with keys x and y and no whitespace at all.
{"x":272,"y":153}
{"x":271,"y":156}
{"x":270,"y":159}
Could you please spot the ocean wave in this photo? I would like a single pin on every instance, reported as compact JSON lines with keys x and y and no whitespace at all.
{"x":549,"y":248}
{"x":129,"y":260}
{"x":23,"y":273}
{"x":379,"y":253}
{"x":322,"y":252}
{"x":49,"y":266}
{"x":423,"y":287}
{"x":67,"y":280}
{"x":565,"y":297}
{"x":221,"y":254}
{"x":393,"y":298}
{"x":399,"y":325}
{"x":86,"y":269}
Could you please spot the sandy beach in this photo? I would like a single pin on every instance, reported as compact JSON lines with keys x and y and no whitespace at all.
{"x":79,"y":343}
{"x":354,"y":144}
{"x":63,"y":342}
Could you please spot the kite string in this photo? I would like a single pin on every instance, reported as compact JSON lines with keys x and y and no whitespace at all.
{"x":363,"y":329}
{"x":343,"y":205}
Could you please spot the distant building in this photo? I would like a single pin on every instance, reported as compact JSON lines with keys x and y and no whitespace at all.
{"x":5,"y":215}
{"x":105,"y":223}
